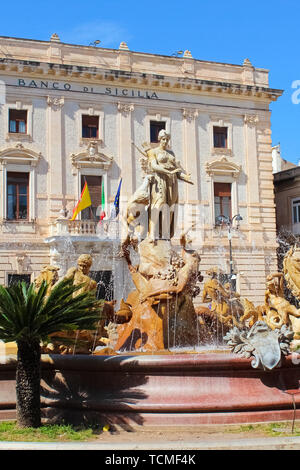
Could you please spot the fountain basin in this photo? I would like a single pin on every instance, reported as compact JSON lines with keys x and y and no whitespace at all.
{"x":159,"y":390}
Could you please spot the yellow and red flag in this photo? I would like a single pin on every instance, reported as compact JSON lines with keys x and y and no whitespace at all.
{"x":84,"y":201}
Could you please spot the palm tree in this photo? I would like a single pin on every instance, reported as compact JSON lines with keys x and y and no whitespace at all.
{"x":28,"y":316}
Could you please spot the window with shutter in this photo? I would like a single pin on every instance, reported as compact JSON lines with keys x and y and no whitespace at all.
{"x":95,"y":188}
{"x":155,"y":128}
{"x":17,"y":121}
{"x":220,"y":137}
{"x":222,"y":199}
{"x":90,"y":127}
{"x":17,"y":196}
{"x":296,"y":211}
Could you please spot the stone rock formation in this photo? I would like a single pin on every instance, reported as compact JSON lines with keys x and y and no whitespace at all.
{"x":159,"y":314}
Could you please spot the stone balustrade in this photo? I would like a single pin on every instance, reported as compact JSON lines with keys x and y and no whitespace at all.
{"x":74,"y":227}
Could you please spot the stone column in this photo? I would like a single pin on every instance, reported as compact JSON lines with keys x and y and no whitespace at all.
{"x":126,"y":155}
{"x":55,"y":146}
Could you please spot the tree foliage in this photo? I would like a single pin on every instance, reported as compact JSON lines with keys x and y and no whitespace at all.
{"x":28,"y":315}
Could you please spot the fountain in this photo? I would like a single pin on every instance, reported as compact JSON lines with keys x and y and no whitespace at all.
{"x":149,"y":363}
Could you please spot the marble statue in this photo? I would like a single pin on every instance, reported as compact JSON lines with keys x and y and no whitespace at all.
{"x":278,"y":310}
{"x":159,"y":314}
{"x":224,"y":303}
{"x":291,"y":270}
{"x":49,"y":274}
{"x":274,"y":326}
{"x":81,"y":341}
{"x":159,"y":190}
{"x":80,"y":273}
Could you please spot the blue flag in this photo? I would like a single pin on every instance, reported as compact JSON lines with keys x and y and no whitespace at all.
{"x":116,"y":208}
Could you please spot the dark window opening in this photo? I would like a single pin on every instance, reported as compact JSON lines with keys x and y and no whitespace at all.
{"x":296,"y":212}
{"x":105,"y":284}
{"x":220,"y":137}
{"x":95,"y":189}
{"x":15,"y":278}
{"x":17,"y":196}
{"x":17,"y":121}
{"x":90,"y":127}
{"x":155,"y":128}
{"x":222,"y":199}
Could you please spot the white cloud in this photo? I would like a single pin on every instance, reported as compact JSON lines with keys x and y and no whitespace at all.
{"x":109,"y":33}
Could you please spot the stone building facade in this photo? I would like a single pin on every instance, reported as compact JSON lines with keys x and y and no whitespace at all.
{"x":70,"y":113}
{"x":287,"y":198}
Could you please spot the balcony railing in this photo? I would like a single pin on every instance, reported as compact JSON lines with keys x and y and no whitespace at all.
{"x":74,"y":227}
{"x":82,"y":227}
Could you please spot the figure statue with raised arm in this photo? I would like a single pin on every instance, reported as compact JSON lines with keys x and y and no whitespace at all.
{"x":159,"y":190}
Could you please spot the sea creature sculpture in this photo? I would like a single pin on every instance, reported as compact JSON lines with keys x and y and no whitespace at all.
{"x":265,"y":345}
{"x":291,"y":270}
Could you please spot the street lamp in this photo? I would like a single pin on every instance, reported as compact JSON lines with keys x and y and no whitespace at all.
{"x":226,"y":220}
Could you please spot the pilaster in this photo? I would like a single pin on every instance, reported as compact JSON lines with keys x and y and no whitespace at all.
{"x":253,"y":193}
{"x":55,"y":146}
{"x":191,"y":160}
{"x":125,"y":148}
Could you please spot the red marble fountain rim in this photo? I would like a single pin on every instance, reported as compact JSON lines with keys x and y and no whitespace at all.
{"x":181,"y":362}
{"x":195,"y":361}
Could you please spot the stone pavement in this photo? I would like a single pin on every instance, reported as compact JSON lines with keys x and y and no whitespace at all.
{"x":268,"y":443}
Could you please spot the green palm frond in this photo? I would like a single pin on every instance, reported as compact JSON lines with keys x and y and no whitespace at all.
{"x":27,"y":314}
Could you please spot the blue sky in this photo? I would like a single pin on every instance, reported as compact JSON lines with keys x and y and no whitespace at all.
{"x":266,"y":32}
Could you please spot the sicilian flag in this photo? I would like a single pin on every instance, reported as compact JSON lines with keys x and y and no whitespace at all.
{"x":116,"y":208}
{"x":102,"y":213}
{"x":84,"y":201}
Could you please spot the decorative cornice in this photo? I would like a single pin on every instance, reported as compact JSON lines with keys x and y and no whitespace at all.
{"x":137,"y":79}
{"x":19,"y":154}
{"x":91,"y":157}
{"x":223,"y":167}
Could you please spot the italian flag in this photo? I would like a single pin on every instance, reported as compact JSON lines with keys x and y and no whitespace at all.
{"x":102,"y":213}
{"x":84,"y":201}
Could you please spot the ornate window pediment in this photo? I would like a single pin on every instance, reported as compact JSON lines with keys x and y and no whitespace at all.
{"x":223,"y":167}
{"x":91,"y":158}
{"x":19,"y":155}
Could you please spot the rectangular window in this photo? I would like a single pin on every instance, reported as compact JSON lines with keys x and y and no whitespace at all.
{"x":220,"y":137}
{"x":90,"y":127}
{"x":296,"y":211}
{"x":222,"y":199}
{"x":17,"y":121}
{"x":17,"y":196}
{"x":155,"y":128}
{"x":15,"y":278}
{"x":95,"y":189}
